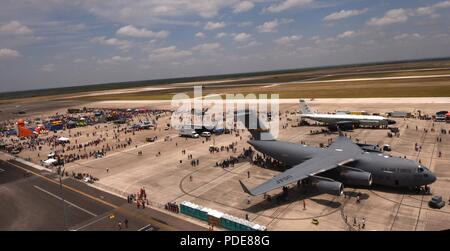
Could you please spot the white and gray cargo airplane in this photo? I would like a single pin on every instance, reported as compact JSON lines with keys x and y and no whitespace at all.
{"x":342,"y":162}
{"x":343,"y":119}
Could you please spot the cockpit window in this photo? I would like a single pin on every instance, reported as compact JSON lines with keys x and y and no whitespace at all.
{"x":420,"y":169}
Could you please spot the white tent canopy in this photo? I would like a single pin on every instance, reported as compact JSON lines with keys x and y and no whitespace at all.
{"x":63,"y":139}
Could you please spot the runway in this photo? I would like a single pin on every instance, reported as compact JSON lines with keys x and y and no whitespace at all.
{"x":35,"y":200}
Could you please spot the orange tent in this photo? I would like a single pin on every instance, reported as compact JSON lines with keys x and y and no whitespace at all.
{"x":22,"y":130}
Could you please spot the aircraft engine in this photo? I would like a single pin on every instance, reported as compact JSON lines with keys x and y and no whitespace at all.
{"x":327,"y":185}
{"x":356,"y":177}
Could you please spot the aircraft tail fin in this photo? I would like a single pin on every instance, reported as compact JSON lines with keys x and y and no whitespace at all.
{"x":304,"y":108}
{"x":251,"y":120}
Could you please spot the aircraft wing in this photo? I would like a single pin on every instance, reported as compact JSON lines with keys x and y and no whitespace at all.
{"x":322,"y":162}
{"x":345,"y":144}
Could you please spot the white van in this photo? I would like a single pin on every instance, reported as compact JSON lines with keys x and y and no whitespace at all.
{"x":188,"y":132}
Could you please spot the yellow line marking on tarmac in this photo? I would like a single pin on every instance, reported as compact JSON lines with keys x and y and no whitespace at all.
{"x":67,"y":187}
{"x":119,"y":209}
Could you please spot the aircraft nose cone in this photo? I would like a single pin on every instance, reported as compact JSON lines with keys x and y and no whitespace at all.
{"x":256,"y":144}
{"x":432,"y":178}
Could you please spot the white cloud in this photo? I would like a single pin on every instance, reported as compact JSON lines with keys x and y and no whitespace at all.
{"x":287,"y":4}
{"x":286,"y":20}
{"x":168,"y":53}
{"x":329,"y":41}
{"x":243,"y":7}
{"x":245,"y":24}
{"x":213,"y":26}
{"x":444,"y":4}
{"x":242,"y":37}
{"x":121,"y":44}
{"x":346,"y":34}
{"x":402,"y":15}
{"x":221,"y":35}
{"x":151,"y":11}
{"x":15,"y":27}
{"x":250,"y":44}
{"x":390,"y":17}
{"x":422,"y":11}
{"x":288,"y":40}
{"x":76,"y":27}
{"x":207,"y":47}
{"x":430,"y":10}
{"x":48,"y":68}
{"x":270,"y":26}
{"x":132,"y":31}
{"x":408,"y":36}
{"x":113,"y":60}
{"x":343,"y":14}
{"x":79,"y":60}
{"x":200,"y":34}
{"x":8,"y":53}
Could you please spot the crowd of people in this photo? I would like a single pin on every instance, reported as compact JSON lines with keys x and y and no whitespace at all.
{"x":265,"y":161}
{"x":98,"y":142}
{"x":140,"y":198}
{"x":247,"y":153}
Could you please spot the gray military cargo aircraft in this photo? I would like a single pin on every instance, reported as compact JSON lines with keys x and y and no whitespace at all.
{"x":343,"y":160}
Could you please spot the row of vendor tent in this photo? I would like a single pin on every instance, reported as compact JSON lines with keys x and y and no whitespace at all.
{"x":54,"y":127}
{"x":10,"y":132}
{"x":218,"y":218}
{"x":72,"y":124}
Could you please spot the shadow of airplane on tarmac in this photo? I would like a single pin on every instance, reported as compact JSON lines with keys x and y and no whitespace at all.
{"x":292,"y":195}
{"x":296,"y":193}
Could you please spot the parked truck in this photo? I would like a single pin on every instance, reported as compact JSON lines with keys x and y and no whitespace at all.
{"x":188,"y":132}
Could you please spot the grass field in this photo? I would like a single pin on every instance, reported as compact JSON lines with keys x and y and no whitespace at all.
{"x":388,"y":74}
{"x":357,"y":89}
{"x":288,"y":84}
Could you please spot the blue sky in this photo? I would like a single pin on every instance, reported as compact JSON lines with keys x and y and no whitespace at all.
{"x":57,"y":43}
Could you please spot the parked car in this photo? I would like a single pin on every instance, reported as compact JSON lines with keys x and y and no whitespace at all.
{"x":16,"y":151}
{"x":150,"y":139}
{"x":436,"y":202}
{"x":206,"y":134}
{"x":387,"y":148}
{"x":394,"y":129}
